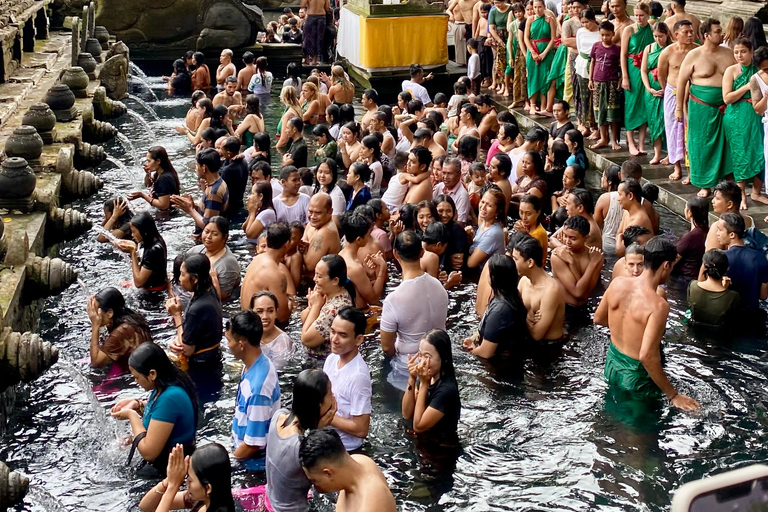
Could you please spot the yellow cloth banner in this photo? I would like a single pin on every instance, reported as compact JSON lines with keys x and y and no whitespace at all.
{"x":400,"y":42}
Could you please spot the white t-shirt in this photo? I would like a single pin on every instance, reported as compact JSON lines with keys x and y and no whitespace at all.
{"x":515,"y":158}
{"x":293,"y":82}
{"x":307,"y":189}
{"x":351,"y":386}
{"x":278,"y":350}
{"x":377,"y":173}
{"x":277,"y":188}
{"x":418,"y":91}
{"x":338,"y":200}
{"x":473,"y":66}
{"x":585,"y":40}
{"x":395,"y":194}
{"x":297,"y":212}
{"x":413,"y":308}
{"x":259,"y":86}
{"x":267,"y":217}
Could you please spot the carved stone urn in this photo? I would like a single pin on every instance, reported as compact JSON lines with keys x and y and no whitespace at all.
{"x":62,"y":102}
{"x":93,"y":46}
{"x":86,"y":61}
{"x":102,"y":34}
{"x":17,"y":185}
{"x":77,"y":81}
{"x":24,"y":143}
{"x":43,"y":119}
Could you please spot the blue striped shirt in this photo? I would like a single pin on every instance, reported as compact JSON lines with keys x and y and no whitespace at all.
{"x":258,"y":397}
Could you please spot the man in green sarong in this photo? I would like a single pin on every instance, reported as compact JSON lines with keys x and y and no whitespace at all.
{"x":636,"y":316}
{"x":633,"y":41}
{"x":704,"y":68}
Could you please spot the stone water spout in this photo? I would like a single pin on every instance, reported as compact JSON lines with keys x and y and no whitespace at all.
{"x":13,"y":486}
{"x":89,"y":155}
{"x":76,"y":183}
{"x":23,"y":358}
{"x":65,"y":224}
{"x":114,"y":72}
{"x":105,"y":107}
{"x":48,"y":276}
{"x":95,"y":130}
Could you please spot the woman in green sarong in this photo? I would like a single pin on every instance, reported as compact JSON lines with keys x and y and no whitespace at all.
{"x":654,"y":94}
{"x":515,"y":56}
{"x":497,"y":26}
{"x":539,"y":32}
{"x":634,"y":39}
{"x":743,"y":127}
{"x":556,"y":75}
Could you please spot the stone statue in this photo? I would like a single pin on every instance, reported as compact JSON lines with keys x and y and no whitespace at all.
{"x":182,"y":24}
{"x":114,"y":71}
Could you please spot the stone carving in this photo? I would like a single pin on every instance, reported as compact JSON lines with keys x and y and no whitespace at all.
{"x":114,"y":73}
{"x":62,"y":102}
{"x":23,"y":358}
{"x":46,"y":276}
{"x":24,"y":143}
{"x":13,"y":486}
{"x":96,"y":131}
{"x":43,"y":119}
{"x":75,"y":39}
{"x":106,"y":108}
{"x":102,"y":34}
{"x":76,"y":79}
{"x":197,"y":24}
{"x":17,"y":185}
{"x":89,"y":155}
{"x":93,"y":46}
{"x":80,"y":183}
{"x":65,"y":224}
{"x":86,"y":61}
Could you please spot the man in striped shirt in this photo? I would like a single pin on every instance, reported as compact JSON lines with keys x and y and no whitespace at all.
{"x":258,"y":394}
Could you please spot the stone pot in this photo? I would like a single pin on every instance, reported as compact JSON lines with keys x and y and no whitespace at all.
{"x":75,"y":78}
{"x":60,"y":97}
{"x":86,"y":61}
{"x":102,"y":34}
{"x":41,"y":117}
{"x":17,"y":180}
{"x":93,"y":46}
{"x":25,"y":143}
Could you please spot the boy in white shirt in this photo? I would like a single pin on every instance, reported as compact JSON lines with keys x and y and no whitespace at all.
{"x":350,"y":378}
{"x":473,"y":66}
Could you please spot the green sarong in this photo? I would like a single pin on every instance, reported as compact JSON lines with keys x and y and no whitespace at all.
{"x":512,"y":45}
{"x":706,"y":135}
{"x":557,"y":70}
{"x":654,"y":106}
{"x":627,"y":374}
{"x":540,"y":35}
{"x":634,"y":98}
{"x":743,"y":133}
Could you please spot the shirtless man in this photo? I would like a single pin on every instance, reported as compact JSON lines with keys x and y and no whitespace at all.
{"x":678,"y":7}
{"x":621,"y":20}
{"x":576,"y":266}
{"x":631,"y":265}
{"x":357,"y":229}
{"x":225,"y":69}
{"x":630,"y":194}
{"x":370,"y":101}
{"x":314,"y":29}
{"x":321,"y":237}
{"x":459,"y":14}
{"x":267,"y":272}
{"x":230,"y":97}
{"x":423,"y":137}
{"x":543,"y":295}
{"x":419,"y":161}
{"x":244,"y":75}
{"x":359,"y":482}
{"x":637,"y":316}
{"x":633,"y":235}
{"x":579,"y":202}
{"x":489,"y":124}
{"x":726,"y":197}
{"x":704,"y":67}
{"x":670,"y":60}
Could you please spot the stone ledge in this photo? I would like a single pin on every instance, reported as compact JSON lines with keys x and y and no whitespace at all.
{"x":11,"y":288}
{"x":33,"y":223}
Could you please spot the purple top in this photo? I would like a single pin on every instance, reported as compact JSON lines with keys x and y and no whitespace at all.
{"x":607,"y":62}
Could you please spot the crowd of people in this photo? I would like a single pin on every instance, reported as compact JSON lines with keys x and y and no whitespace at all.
{"x":427,"y":193}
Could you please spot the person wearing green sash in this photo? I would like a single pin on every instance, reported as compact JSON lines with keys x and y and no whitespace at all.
{"x":634,"y":39}
{"x":637,"y":315}
{"x":743,"y":127}
{"x":556,"y":76}
{"x":654,"y":94}
{"x":539,"y":32}
{"x":497,"y":26}
{"x":704,"y":67}
{"x":516,"y":64}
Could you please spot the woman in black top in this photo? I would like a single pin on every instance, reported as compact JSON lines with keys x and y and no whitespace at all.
{"x":181,"y":81}
{"x":455,"y":252}
{"x":433,"y":404}
{"x":117,"y":218}
{"x":504,"y":320}
{"x":149,"y":272}
{"x":161,"y":176}
{"x":198,"y":330}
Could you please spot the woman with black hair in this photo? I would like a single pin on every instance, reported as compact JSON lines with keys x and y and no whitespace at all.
{"x":711,"y":303}
{"x":260,"y":151}
{"x":359,"y":173}
{"x":349,"y":143}
{"x":370,"y":154}
{"x":117,"y":219}
{"x":326,"y":144}
{"x":313,"y":407}
{"x":467,"y":151}
{"x":326,"y":176}
{"x":149,"y":272}
{"x":218,"y":120}
{"x":692,"y":245}
{"x":198,"y":330}
{"x":201,"y":76}
{"x":754,"y":31}
{"x":261,"y":211}
{"x":126,"y":328}
{"x":332,"y":292}
{"x":226,"y":271}
{"x":169,"y":416}
{"x":180,"y":82}
{"x":333,"y":118}
{"x":608,"y":211}
{"x":457,"y":246}
{"x":208,"y":474}
{"x":253,"y":122}
{"x":504,"y":320}
{"x":431,"y":398}
{"x":161,"y":177}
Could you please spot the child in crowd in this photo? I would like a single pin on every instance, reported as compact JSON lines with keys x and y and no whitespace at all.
{"x":473,"y":66}
{"x":307,"y":180}
{"x":605,"y":84}
{"x":459,"y":95}
{"x":477,"y":181}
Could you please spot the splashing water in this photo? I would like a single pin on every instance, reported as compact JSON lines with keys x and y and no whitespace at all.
{"x":143,"y":83}
{"x":142,"y":122}
{"x":137,"y":71}
{"x":128,"y":147}
{"x":44,"y":499}
{"x":144,"y":104}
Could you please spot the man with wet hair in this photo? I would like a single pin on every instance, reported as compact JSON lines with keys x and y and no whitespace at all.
{"x":215,"y":199}
{"x":630,"y":197}
{"x":321,"y":236}
{"x":359,"y":482}
{"x":678,"y":7}
{"x":370,"y":101}
{"x":234,"y":172}
{"x":633,"y":235}
{"x":419,"y":162}
{"x":726,"y":198}
{"x":637,"y":317}
{"x":575,"y":265}
{"x":296,"y":154}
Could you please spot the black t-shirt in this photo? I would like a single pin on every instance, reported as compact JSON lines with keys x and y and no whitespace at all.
{"x":181,"y":83}
{"x":203,"y":322}
{"x":154,"y":258}
{"x":235,"y":175}
{"x":298,"y":151}
{"x":559,"y":133}
{"x":503,"y":325}
{"x":292,"y":37}
{"x":165,"y":185}
{"x":457,"y":244}
{"x":443,"y":396}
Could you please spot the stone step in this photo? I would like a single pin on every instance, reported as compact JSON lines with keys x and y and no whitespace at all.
{"x":28,"y":75}
{"x":39,"y":60}
{"x":11,"y":287}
